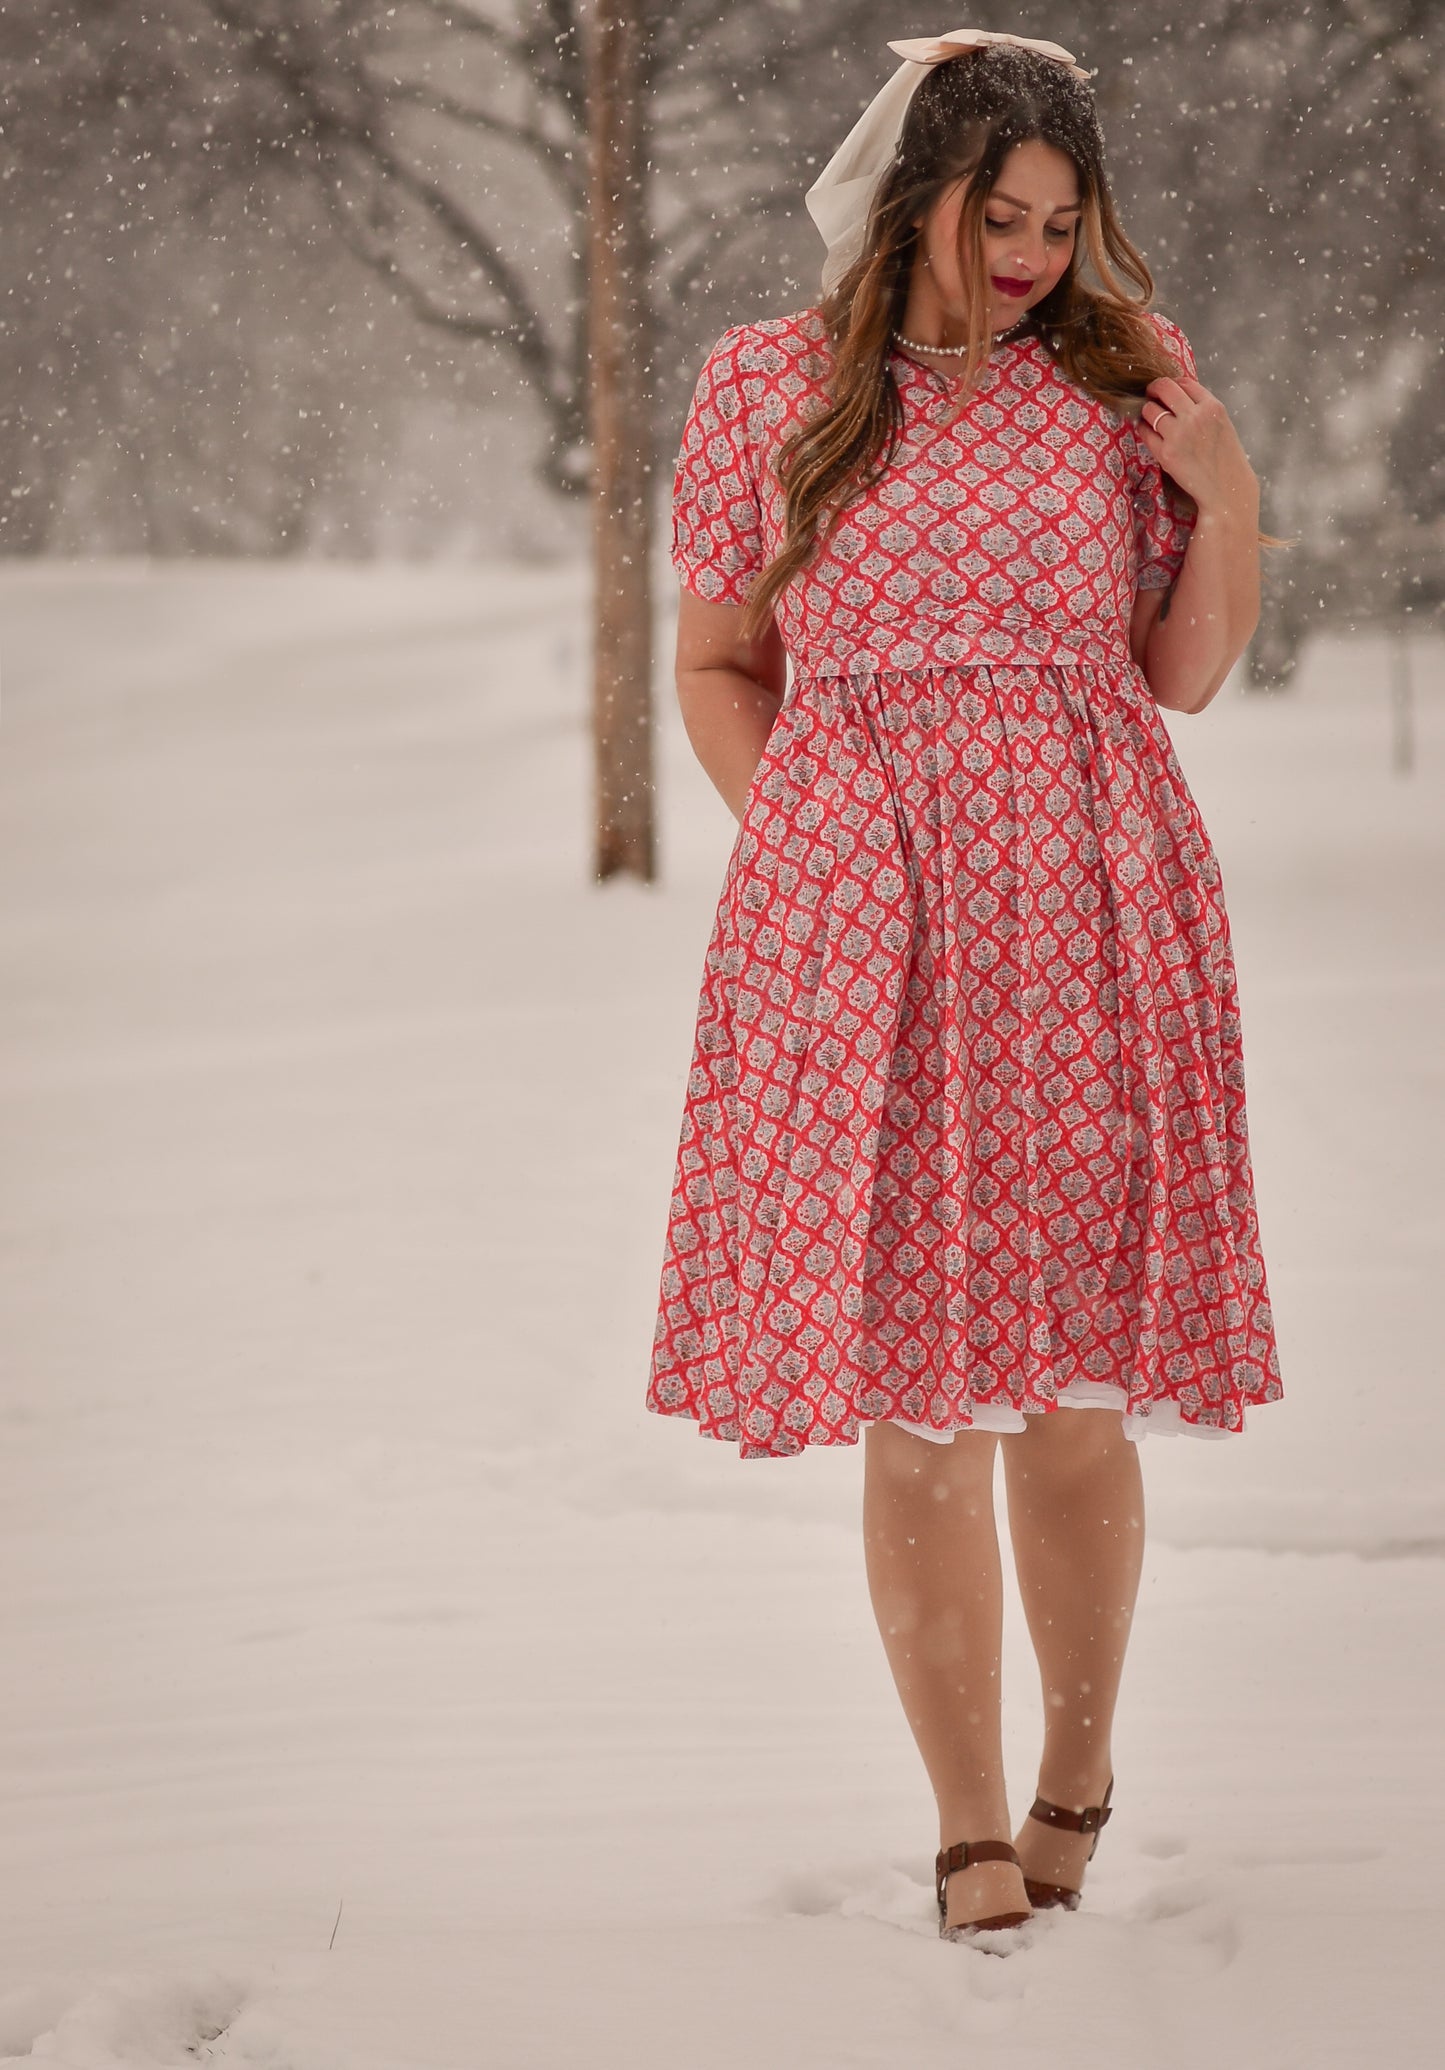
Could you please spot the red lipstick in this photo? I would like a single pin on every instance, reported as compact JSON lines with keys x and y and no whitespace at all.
{"x":1015,"y":288}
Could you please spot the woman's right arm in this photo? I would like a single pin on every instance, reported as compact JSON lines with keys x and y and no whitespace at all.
{"x":730,"y":692}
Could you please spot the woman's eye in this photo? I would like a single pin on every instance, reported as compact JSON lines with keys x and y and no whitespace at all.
{"x":1050,"y":232}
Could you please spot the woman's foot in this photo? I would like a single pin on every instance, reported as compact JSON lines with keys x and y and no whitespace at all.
{"x":1053,"y":1854}
{"x":985,"y":1891}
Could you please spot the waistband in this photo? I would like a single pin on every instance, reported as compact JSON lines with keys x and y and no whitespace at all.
{"x":1039,"y":648}
{"x":865,"y":667}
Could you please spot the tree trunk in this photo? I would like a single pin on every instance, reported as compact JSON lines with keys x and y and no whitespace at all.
{"x":619,"y":375}
{"x":1272,"y":656}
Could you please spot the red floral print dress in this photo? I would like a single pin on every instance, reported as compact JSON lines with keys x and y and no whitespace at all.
{"x":964,"y":1136}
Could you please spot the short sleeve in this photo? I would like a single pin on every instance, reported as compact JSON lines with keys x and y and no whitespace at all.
{"x":1163,"y":518}
{"x":717,"y":543}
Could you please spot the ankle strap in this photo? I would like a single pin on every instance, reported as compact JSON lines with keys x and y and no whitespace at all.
{"x":962,"y":1855}
{"x":1089,"y":1820}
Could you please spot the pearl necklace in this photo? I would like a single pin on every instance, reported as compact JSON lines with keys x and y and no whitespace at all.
{"x":953,"y":351}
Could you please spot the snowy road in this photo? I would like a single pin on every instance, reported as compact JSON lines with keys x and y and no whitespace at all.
{"x":341,"y":1567}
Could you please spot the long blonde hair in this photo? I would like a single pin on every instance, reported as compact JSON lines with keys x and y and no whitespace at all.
{"x":964,"y":119}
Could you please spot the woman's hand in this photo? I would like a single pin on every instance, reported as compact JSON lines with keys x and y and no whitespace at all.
{"x":1194,"y":440}
{"x":1213,"y":608}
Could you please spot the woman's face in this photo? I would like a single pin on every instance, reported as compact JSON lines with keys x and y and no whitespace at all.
{"x":1031,"y":220}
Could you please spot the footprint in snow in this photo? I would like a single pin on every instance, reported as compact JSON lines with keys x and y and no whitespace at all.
{"x":1192,"y":1922}
{"x":145,"y":2023}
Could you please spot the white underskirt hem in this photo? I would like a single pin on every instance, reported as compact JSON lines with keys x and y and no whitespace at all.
{"x":1163,"y":1420}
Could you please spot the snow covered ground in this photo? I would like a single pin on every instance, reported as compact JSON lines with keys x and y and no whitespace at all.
{"x":340,"y":1566}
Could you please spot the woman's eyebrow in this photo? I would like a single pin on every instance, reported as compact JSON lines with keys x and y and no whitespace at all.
{"x":1067,"y":208}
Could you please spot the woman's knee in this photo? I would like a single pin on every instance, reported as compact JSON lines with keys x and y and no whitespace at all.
{"x":901,"y":1456}
{"x":1065,"y":1442}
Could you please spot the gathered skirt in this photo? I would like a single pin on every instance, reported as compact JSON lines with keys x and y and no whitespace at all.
{"x":964,"y":1136}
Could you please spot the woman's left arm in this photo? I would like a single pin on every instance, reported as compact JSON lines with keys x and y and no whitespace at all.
{"x":1188,"y":644}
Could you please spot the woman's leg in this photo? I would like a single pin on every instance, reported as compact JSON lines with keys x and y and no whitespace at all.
{"x":935,"y":1579}
{"x":1076,"y":1519}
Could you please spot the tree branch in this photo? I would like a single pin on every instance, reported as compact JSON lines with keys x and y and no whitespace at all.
{"x":338,"y":122}
{"x":686,"y":274}
{"x":457,"y":16}
{"x":434,"y":102}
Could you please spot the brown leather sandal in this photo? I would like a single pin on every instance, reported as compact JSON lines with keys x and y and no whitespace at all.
{"x":1090,"y":1820}
{"x":962,"y":1855}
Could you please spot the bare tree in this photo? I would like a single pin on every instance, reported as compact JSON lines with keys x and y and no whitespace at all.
{"x":621,"y":340}
{"x":376,"y":96}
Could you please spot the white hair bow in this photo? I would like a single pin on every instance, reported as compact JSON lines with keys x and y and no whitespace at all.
{"x":840,"y":197}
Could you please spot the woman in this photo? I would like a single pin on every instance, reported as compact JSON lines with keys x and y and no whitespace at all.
{"x":964,"y":1141}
